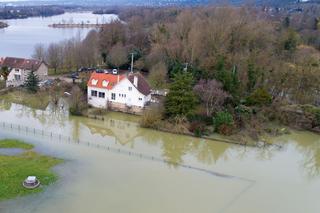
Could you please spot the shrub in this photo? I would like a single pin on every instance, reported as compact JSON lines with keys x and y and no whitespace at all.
{"x":225,"y":129}
{"x":222,"y":121}
{"x":151,"y":117}
{"x":259,"y":97}
{"x":317,"y":117}
{"x":78,"y":102}
{"x":197,"y":128}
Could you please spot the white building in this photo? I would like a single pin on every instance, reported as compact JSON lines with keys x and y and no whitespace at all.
{"x":123,"y":92}
{"x":20,"y":68}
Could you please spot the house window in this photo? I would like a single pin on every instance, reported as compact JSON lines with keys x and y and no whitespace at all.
{"x":101,"y":94}
{"x":17,"y":70}
{"x":113,"y":96}
{"x":94,"y":93}
{"x":140,"y":99}
{"x":130,"y":88}
{"x":17,"y":77}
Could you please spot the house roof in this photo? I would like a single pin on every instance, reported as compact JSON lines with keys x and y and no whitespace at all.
{"x":108,"y":81}
{"x":21,"y":63}
{"x":143,"y":85}
{"x":104,"y":80}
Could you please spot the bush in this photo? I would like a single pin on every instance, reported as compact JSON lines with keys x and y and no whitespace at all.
{"x":78,"y":102}
{"x":317,"y":117}
{"x":151,"y":117}
{"x":197,"y":128}
{"x":259,"y":97}
{"x":222,"y":121}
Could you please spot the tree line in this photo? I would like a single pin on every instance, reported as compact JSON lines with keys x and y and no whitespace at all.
{"x":214,"y":59}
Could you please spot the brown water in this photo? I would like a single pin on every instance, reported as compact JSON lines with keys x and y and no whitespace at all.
{"x":221,"y":178}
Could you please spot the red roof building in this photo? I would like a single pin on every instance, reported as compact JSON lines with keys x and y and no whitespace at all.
{"x":118,"y":90}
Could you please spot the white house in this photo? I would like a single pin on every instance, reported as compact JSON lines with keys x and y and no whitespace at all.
{"x":19,"y":69}
{"x":123,"y":92}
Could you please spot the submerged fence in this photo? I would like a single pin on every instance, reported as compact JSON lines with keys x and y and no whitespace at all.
{"x":67,"y":139}
{"x":61,"y":138}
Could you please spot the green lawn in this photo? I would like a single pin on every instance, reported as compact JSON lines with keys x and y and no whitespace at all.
{"x":14,"y":169}
{"x":39,"y":100}
{"x":10,"y":143}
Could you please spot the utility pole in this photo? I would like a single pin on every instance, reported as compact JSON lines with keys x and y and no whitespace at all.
{"x":131,"y":70}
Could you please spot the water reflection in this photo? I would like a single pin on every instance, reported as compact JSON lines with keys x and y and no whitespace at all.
{"x":308,"y":145}
{"x":123,"y":130}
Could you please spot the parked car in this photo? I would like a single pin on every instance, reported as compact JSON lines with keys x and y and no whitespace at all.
{"x":83,"y":69}
{"x":115,"y":71}
{"x":74,"y":75}
{"x":46,"y":83}
{"x":100,"y":71}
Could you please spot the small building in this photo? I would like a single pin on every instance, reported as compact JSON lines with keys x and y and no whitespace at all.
{"x":119,"y":92}
{"x":20,"y":68}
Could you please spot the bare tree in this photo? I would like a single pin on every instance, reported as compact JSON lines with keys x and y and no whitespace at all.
{"x":157,"y":76}
{"x":53,"y":56}
{"x":118,"y":55}
{"x":212,"y":94}
{"x":39,"y":52}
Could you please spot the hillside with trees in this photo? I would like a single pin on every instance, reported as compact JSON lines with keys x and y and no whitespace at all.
{"x":227,"y":68}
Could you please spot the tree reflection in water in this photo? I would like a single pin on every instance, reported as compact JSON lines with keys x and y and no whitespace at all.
{"x":306,"y":144}
{"x":125,"y":131}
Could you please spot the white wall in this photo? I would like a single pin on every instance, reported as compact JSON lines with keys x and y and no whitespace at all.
{"x":42,"y":72}
{"x":126,"y":96}
{"x":11,"y":81}
{"x":97,"y":101}
{"x":131,"y":97}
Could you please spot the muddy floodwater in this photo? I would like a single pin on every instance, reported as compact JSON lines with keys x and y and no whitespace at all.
{"x":115,"y":166}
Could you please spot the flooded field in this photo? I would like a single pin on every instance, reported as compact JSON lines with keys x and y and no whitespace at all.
{"x":116,"y":166}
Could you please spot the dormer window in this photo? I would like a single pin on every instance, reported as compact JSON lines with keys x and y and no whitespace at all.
{"x":105,"y":83}
{"x":94,"y":82}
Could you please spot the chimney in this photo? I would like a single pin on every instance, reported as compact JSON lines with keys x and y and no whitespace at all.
{"x":135,"y":81}
{"x":118,"y":78}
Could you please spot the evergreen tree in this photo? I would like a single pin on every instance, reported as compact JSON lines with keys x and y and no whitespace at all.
{"x":286,"y":22}
{"x":32,"y":82}
{"x":235,"y":84}
{"x":4,"y":71}
{"x":252,"y":77}
{"x":292,"y":41}
{"x":181,"y":100}
{"x":223,"y":75}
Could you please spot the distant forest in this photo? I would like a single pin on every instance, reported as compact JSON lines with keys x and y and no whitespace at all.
{"x":25,"y":12}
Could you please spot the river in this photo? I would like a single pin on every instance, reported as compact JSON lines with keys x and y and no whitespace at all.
{"x":19,"y":39}
{"x":115,"y":166}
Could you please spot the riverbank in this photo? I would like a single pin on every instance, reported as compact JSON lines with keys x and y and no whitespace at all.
{"x":151,"y":119}
{"x":15,"y":168}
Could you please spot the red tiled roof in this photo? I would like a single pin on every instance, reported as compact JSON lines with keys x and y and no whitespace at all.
{"x":143,"y":85}
{"x":21,"y":63}
{"x":109,"y":80}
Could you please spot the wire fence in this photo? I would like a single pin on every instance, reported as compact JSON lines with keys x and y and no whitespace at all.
{"x":67,"y":139}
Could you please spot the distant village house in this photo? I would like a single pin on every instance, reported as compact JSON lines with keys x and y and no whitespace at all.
{"x":20,"y":68}
{"x":120,"y":92}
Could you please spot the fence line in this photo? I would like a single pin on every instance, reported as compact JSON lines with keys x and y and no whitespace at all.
{"x":68,"y":139}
